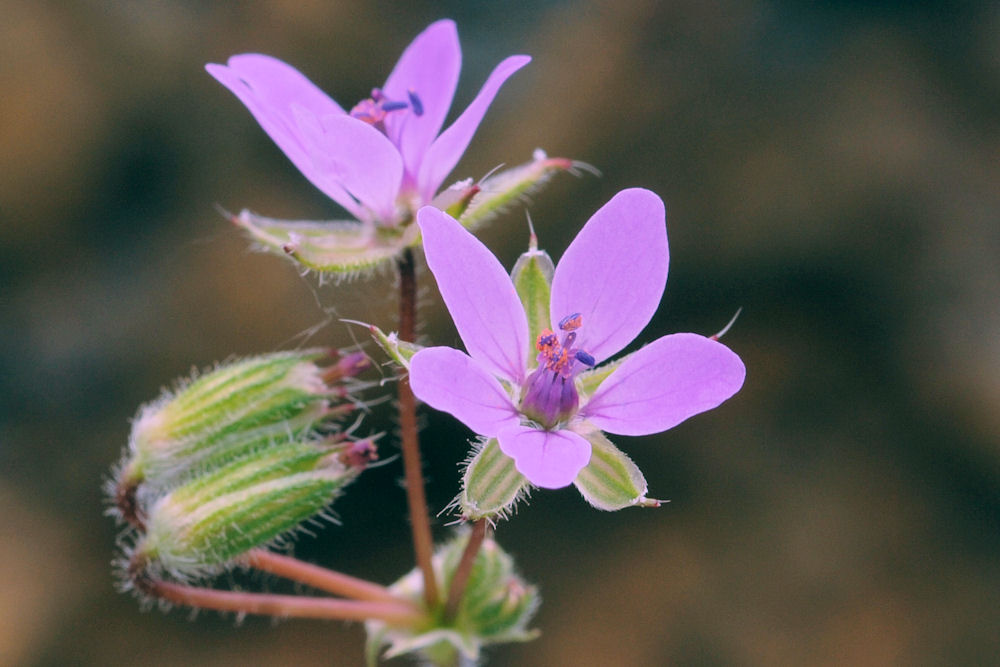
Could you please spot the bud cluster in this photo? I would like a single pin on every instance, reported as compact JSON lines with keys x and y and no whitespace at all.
{"x":237,"y":457}
{"x":496,"y":607}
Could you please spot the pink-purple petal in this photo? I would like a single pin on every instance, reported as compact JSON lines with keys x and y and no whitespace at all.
{"x":447,"y":149}
{"x":478,"y":293}
{"x":614,"y":272}
{"x":359,"y":157}
{"x":453,"y":382}
{"x":548,"y":459}
{"x":664,"y":383}
{"x":429,"y":67}
{"x":277,"y":84}
{"x":272,"y":90}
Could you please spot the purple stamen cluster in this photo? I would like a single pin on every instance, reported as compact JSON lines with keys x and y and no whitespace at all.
{"x":550,"y":395}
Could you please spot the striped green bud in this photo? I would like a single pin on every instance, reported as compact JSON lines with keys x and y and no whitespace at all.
{"x":203,"y":525}
{"x":234,"y":409}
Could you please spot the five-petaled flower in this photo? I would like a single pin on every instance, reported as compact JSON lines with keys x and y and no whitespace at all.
{"x":604,"y":291}
{"x":383,"y":159}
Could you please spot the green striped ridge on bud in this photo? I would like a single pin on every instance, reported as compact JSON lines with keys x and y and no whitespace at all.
{"x":496,"y":608}
{"x":236,"y":407}
{"x":201,"y":526}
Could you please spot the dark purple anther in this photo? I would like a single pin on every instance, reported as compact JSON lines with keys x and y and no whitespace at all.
{"x":415,"y":103}
{"x":393,"y":106}
{"x":571,"y":322}
{"x":584,"y":358}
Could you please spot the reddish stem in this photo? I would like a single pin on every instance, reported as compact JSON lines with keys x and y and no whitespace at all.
{"x":330,"y":581}
{"x":282,"y":606}
{"x":423,"y":544}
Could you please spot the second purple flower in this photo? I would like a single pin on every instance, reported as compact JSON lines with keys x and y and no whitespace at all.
{"x":385,"y":158}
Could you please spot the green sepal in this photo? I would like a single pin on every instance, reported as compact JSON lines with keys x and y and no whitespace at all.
{"x":491,"y":485}
{"x":496,"y":608}
{"x":611,"y":481}
{"x":532,"y":278}
{"x":589,"y":380}
{"x":344,"y":247}
{"x":503,"y":188}
{"x":399,"y":351}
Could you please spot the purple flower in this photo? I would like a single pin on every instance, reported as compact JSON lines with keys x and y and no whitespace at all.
{"x":384,"y":158}
{"x":604,"y":291}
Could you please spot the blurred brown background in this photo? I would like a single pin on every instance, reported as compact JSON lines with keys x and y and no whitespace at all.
{"x":830,"y":167}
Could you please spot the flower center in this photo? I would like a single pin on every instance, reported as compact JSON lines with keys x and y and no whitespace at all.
{"x":374,"y":109}
{"x":550,"y":395}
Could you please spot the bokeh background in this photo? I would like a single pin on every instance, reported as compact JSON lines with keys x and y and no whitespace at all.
{"x":830,"y":167}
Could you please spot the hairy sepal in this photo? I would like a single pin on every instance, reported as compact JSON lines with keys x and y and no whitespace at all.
{"x":342,"y":247}
{"x":491,"y":484}
{"x":611,"y":481}
{"x":501,"y":189}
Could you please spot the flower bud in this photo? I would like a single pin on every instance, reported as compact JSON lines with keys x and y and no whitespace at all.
{"x":234,"y":409}
{"x":201,"y":526}
{"x":496,"y":608}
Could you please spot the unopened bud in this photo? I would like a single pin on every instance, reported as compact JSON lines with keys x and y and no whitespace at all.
{"x":234,"y":409}
{"x":496,"y":607}
{"x":201,"y":526}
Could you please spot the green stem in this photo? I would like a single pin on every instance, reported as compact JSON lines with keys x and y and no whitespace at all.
{"x":464,"y":569}
{"x":423,"y":544}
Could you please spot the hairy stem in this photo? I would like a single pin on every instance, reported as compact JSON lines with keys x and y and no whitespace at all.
{"x":282,"y":606}
{"x":330,"y":581}
{"x":461,"y":577}
{"x":423,"y":544}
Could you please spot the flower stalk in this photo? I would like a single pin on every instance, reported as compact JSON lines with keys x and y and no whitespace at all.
{"x":281,"y":606}
{"x":320,"y":578}
{"x":423,"y":545}
{"x":461,"y":577}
